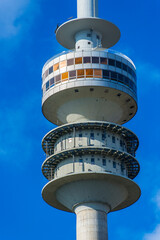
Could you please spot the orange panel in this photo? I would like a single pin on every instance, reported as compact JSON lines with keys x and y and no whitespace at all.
{"x":56,"y":66}
{"x":78,"y":60}
{"x":89,"y":73}
{"x":65,"y":76}
{"x":97,"y":73}
{"x":63,"y":64}
{"x":80,"y":73}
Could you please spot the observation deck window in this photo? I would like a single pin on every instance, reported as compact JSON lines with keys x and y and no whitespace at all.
{"x":56,"y":66}
{"x":114,"y":164}
{"x":130,"y":70}
{"x":61,"y":145}
{"x":91,"y":140}
{"x":92,"y":161}
{"x":51,"y":82}
{"x":80,"y":136}
{"x":46,"y":73}
{"x":89,"y":73}
{"x":103,"y":136}
{"x":92,"y":136}
{"x":111,"y":62}
{"x":70,"y":62}
{"x":122,"y":167}
{"x":95,"y":59}
{"x":86,"y":59}
{"x":65,"y":76}
{"x":118,"y":64}
{"x":131,"y":84}
{"x":58,"y":78}
{"x":124,"y":66}
{"x":72,"y":74}
{"x":104,"y":162}
{"x":114,"y":75}
{"x":47,"y":85}
{"x":98,"y":73}
{"x":105,"y":74}
{"x":78,"y":60}
{"x":103,"y":60}
{"x":120,"y":77}
{"x":113,"y":139}
{"x":50,"y":70}
{"x":126,"y":80}
{"x":80,"y":73}
{"x":63,"y":64}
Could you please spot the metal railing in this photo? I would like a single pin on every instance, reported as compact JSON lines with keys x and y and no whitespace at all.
{"x":94,"y":49}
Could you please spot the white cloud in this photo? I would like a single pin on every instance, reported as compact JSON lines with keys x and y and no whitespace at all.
{"x":156,"y":199}
{"x":11,"y":12}
{"x":155,"y":235}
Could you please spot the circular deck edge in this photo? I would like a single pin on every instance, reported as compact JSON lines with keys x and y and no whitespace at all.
{"x":65,"y":34}
{"x":49,"y":190}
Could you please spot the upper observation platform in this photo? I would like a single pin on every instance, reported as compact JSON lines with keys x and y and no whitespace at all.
{"x":106,"y":31}
{"x":89,"y":85}
{"x":87,"y":30}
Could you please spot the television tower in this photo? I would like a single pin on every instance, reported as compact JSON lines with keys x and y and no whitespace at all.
{"x":89,"y":92}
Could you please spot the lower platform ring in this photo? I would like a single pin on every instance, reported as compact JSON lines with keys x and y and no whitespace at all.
{"x":50,"y":189}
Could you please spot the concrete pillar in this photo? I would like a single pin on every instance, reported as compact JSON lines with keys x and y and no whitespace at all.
{"x":87,"y":40}
{"x":87,"y":8}
{"x":92,"y":221}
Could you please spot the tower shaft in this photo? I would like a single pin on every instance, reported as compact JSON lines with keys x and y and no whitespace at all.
{"x":87,"y":8}
{"x":91,"y":222}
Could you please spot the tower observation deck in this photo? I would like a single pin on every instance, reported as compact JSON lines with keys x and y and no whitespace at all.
{"x":89,"y":91}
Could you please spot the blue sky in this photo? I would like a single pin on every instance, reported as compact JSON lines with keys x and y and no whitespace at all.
{"x":27,"y":41}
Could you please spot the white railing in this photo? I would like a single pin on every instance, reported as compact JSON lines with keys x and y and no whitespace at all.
{"x":95,"y":49}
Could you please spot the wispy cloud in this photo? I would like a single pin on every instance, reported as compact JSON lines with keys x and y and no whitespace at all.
{"x":155,"y":235}
{"x":10,"y":14}
{"x":156,"y":200}
{"x":16,"y":20}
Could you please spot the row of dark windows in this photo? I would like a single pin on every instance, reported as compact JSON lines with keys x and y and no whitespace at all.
{"x":90,"y":141}
{"x":92,"y":137}
{"x":93,"y":60}
{"x":104,"y":163}
{"x":90,"y":73}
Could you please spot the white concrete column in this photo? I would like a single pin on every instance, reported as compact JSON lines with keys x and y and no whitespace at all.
{"x":92,"y":221}
{"x":87,"y":8}
{"x":87,"y":39}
